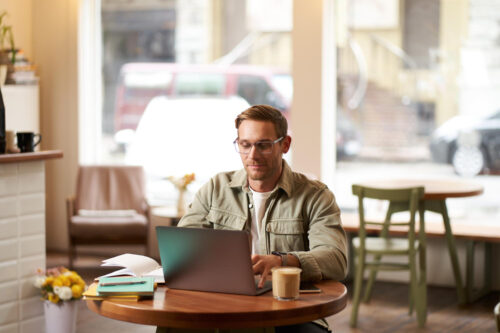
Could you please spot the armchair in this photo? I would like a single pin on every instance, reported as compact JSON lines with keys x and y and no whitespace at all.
{"x":109,"y":208}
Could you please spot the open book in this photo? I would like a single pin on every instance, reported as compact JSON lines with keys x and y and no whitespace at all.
{"x":134,"y":265}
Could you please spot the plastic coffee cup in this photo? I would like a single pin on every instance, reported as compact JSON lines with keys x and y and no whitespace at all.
{"x":286,"y":282}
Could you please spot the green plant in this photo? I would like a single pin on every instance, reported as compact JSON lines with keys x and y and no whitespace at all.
{"x":6,"y":33}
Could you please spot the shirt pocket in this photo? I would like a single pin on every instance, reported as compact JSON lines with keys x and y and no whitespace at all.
{"x":225,"y":220}
{"x":287,"y":235}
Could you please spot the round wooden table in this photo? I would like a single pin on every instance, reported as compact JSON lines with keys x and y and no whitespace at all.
{"x":196,"y":310}
{"x":434,"y":200}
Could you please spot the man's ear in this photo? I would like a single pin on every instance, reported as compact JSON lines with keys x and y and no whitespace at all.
{"x":287,"y":141}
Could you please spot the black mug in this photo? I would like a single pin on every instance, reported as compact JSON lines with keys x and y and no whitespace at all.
{"x":26,"y":141}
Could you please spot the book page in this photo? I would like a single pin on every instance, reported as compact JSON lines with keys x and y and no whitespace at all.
{"x":137,"y":264}
{"x":157,"y":274}
{"x":120,"y":272}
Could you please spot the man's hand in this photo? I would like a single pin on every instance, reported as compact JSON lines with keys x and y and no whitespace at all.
{"x":262,"y":265}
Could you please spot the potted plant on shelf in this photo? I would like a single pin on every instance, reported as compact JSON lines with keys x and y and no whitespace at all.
{"x":6,"y":61}
{"x":60,"y":288}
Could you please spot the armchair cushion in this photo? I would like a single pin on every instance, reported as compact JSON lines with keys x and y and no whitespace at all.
{"x":107,"y":212}
{"x":111,"y":226}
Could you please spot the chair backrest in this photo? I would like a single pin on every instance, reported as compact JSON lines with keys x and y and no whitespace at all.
{"x":111,"y":188}
{"x":402,"y":199}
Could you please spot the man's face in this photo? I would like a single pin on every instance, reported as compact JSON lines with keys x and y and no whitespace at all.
{"x":262,"y":167}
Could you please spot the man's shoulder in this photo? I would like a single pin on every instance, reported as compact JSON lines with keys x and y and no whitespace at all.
{"x":225,"y":176}
{"x":227,"y":179}
{"x":303,"y":180}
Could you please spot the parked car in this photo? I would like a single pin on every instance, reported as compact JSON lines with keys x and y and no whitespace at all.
{"x":139,"y":83}
{"x":470,"y":144}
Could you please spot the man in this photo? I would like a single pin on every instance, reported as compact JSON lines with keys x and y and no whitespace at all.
{"x":293,"y":221}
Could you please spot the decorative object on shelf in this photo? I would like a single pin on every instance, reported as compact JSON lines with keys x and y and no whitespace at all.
{"x":60,"y":288}
{"x":181,"y":184}
{"x":7,"y":55}
{"x":10,"y":139}
{"x":23,"y":71}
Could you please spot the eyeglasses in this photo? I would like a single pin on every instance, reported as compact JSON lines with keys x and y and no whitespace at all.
{"x":263,"y":147}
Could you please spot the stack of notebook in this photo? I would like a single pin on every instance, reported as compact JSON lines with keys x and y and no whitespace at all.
{"x":121,"y":288}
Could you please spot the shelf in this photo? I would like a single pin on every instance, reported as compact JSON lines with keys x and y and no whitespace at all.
{"x":26,"y":157}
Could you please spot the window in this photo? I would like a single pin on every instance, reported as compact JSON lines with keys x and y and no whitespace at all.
{"x":418,"y":91}
{"x":169,"y":75}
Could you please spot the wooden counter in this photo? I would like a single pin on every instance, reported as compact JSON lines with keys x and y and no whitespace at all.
{"x":26,"y":157}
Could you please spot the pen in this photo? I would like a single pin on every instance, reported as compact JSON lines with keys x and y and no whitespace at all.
{"x":121,"y":283}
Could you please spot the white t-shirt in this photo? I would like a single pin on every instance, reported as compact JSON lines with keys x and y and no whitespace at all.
{"x":259,"y":202}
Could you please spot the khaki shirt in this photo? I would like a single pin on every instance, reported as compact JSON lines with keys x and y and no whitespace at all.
{"x":301,"y":218}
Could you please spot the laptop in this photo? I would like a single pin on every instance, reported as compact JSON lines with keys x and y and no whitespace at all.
{"x":207,"y":260}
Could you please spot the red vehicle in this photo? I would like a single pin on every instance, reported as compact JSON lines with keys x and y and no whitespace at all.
{"x":140,"y":82}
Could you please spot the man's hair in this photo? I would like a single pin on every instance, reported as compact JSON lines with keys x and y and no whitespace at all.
{"x":265,"y":113}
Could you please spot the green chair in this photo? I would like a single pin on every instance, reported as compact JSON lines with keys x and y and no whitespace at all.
{"x":383,"y":244}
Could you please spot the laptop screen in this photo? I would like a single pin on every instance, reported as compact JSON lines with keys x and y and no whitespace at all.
{"x":206,"y":260}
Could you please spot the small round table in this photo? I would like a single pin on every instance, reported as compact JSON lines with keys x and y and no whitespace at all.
{"x":198,"y":310}
{"x":434,"y":200}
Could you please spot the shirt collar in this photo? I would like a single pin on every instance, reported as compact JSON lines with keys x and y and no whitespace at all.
{"x":240,"y":179}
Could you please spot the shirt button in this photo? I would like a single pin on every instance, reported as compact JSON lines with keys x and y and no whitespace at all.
{"x":250,"y":206}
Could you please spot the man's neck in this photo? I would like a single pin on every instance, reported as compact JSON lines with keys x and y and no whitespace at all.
{"x":261,"y":186}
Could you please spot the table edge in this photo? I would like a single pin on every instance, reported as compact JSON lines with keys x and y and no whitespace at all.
{"x":220,"y":320}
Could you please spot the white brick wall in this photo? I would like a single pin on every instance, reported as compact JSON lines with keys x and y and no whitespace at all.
{"x":22,"y":245}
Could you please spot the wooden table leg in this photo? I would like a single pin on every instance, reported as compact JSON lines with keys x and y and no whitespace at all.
{"x":472,"y":294}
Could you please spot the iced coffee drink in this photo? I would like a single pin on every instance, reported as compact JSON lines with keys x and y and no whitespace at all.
{"x":286,"y":281}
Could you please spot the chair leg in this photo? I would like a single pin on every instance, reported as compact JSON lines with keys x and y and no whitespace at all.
{"x":412,"y":295}
{"x":393,"y":207}
{"x":422,"y":280}
{"x":71,"y":254}
{"x":371,"y":280}
{"x":358,"y":281}
{"x":421,"y":306}
{"x":414,"y":298}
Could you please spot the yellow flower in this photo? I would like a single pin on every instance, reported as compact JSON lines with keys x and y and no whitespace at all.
{"x":183,"y":182}
{"x":65,"y":280}
{"x":53,"y":298}
{"x":77,"y":291}
{"x":48,"y":281}
{"x":58,"y":282}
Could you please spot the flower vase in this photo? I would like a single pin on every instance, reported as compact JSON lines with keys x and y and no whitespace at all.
{"x":61,"y":317}
{"x":181,"y":205}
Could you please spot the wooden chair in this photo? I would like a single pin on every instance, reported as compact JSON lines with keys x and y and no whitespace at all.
{"x":109,"y":208}
{"x":384,"y":244}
